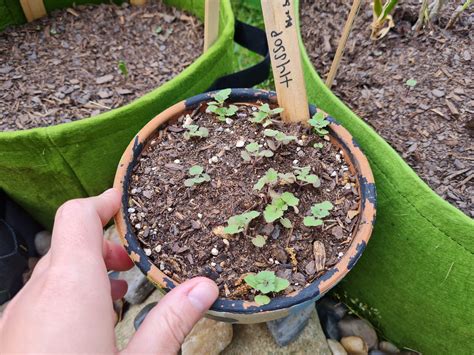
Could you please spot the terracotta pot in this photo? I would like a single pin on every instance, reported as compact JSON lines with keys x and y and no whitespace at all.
{"x":239,"y":311}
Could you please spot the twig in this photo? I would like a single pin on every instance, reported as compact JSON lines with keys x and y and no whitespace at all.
{"x":342,"y":42}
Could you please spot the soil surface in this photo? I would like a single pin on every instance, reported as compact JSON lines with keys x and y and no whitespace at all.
{"x":430,"y":124}
{"x":65,"y":67}
{"x":180,"y":226}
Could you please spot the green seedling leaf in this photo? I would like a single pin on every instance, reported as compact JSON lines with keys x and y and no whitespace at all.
{"x":310,"y":221}
{"x":266,"y":153}
{"x":122,"y":66}
{"x":270,"y":178}
{"x":266,"y":282}
{"x":259,"y":241}
{"x":322,"y":209}
{"x":318,"y":122}
{"x":245,"y":156}
{"x":411,"y":83}
{"x":198,"y":176}
{"x":158,"y":30}
{"x":279,"y":205}
{"x":272,"y":213}
{"x":240,"y":222}
{"x":193,"y":130}
{"x":285,"y":222}
{"x":279,"y":136}
{"x":262,"y":300}
{"x":280,"y":284}
{"x":222,"y":95}
{"x":252,"y":147}
{"x":318,"y":212}
{"x":318,"y":145}
{"x":290,"y":199}
{"x":195,"y":170}
{"x":303,"y":174}
{"x":264,"y":114}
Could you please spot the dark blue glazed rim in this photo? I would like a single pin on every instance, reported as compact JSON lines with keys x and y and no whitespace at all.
{"x":353,"y":155}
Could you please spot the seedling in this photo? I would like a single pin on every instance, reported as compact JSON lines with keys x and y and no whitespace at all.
{"x":240,"y":222}
{"x":270,"y":178}
{"x":158,"y":30}
{"x":279,"y":136}
{"x":264,"y":114}
{"x":303,"y":174}
{"x":318,"y":122}
{"x":217,"y":107}
{"x":253,"y":150}
{"x":193,"y":130}
{"x":381,"y":16}
{"x":318,"y":145}
{"x":259,"y":241}
{"x":277,"y":208}
{"x":411,"y":83}
{"x":198,"y":176}
{"x":266,"y":282}
{"x":122,"y":66}
{"x":318,"y":212}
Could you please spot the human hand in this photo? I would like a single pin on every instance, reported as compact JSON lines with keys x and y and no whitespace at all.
{"x":66,"y":306}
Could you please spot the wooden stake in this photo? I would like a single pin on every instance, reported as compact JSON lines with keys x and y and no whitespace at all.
{"x":211,"y":22}
{"x":33,"y":9}
{"x":282,"y":37}
{"x":138,"y":2}
{"x":342,"y":42}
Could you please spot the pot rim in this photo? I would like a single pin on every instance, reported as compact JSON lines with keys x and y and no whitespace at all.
{"x":339,"y":136}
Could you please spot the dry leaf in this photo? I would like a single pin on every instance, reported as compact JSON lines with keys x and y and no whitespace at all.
{"x":352,"y":214}
{"x":292,"y":253}
{"x":319,"y":252}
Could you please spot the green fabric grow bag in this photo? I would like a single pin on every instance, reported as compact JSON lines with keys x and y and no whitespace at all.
{"x":43,"y":167}
{"x":418,"y":269}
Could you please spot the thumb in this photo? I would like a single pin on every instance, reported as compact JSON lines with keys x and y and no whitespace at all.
{"x":172,"y":319}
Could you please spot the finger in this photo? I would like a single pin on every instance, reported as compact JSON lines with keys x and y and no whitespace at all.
{"x":165,"y":327}
{"x":78,"y":226}
{"x":118,"y":288}
{"x":115,"y":256}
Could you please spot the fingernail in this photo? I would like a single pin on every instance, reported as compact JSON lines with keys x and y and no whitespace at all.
{"x":202,"y":296}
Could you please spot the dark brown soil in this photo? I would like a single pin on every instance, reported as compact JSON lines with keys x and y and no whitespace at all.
{"x":432,"y":124}
{"x":177,"y":224}
{"x":66,"y":67}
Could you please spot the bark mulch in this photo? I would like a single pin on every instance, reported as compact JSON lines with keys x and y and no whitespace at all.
{"x":65,"y":67}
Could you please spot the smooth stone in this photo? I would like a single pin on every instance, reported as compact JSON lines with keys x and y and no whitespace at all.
{"x":378,"y":352}
{"x":330,"y":313}
{"x":112,"y":234}
{"x":336,"y":347}
{"x":207,"y":337}
{"x":287,"y":330}
{"x":42,"y":242}
{"x":360,"y":328}
{"x":139,"y":288}
{"x":354,"y":345}
{"x":125,"y":329}
{"x":388,"y":347}
{"x":142,"y":314}
{"x":256,"y":339}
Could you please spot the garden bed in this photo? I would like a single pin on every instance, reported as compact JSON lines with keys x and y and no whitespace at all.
{"x":428,"y":122}
{"x":85,"y":60}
